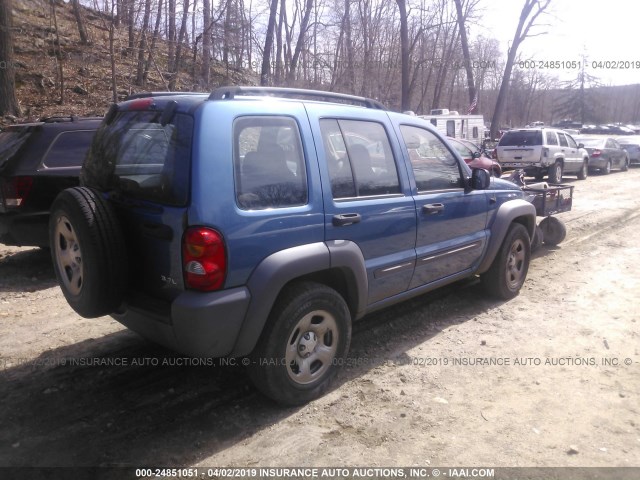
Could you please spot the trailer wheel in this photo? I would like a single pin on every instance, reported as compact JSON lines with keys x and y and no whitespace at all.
{"x":553,"y":230}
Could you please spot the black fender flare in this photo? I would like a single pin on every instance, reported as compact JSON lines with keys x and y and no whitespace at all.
{"x":517,"y":210}
{"x":280,"y":268}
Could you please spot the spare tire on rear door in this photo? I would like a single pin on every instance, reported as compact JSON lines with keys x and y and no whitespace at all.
{"x":88,"y":251}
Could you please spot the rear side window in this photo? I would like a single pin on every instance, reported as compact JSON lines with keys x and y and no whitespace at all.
{"x":269,"y":163}
{"x":515,"y":138}
{"x":68,"y":149}
{"x":551,"y":138}
{"x":359,"y":158}
{"x":138,"y":156}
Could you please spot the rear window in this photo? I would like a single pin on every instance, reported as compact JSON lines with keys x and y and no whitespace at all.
{"x":138,"y":156}
{"x":10,"y":142}
{"x":521,"y":138}
{"x":591,"y":142}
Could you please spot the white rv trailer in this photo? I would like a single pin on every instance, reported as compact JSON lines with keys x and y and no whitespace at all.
{"x":452,"y":124}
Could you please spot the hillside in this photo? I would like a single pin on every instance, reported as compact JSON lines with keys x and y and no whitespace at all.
{"x":86,"y":68}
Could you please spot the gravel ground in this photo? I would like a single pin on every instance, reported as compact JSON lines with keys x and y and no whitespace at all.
{"x":550,"y":378}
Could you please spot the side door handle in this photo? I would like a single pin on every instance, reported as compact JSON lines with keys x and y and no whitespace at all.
{"x":345,"y":219}
{"x":432,"y":208}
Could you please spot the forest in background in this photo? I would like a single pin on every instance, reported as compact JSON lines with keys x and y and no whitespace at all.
{"x":78,"y":56}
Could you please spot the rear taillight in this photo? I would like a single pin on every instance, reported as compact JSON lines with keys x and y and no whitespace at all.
{"x":596,"y":153}
{"x":204,"y":259}
{"x":15,"y":190}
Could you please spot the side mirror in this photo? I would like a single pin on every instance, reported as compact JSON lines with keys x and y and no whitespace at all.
{"x":581,"y":145}
{"x":476,"y":154}
{"x":480,"y":179}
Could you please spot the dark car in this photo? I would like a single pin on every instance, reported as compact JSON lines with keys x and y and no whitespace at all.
{"x":605,"y":153}
{"x":473,"y":156}
{"x":37,"y":161}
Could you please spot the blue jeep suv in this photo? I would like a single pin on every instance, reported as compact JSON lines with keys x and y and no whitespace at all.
{"x":260,"y":223}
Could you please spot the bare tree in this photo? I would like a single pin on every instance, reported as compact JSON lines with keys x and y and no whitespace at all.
{"x":265,"y":71}
{"x":404,"y":55}
{"x":304,"y":25}
{"x":8,"y":100}
{"x":77,"y":12}
{"x":531,"y":10}
{"x":58,"y":56}
{"x":206,"y":41}
{"x":462,"y":18}
{"x":143,"y":43}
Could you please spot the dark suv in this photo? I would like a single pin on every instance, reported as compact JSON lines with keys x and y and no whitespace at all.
{"x":244,"y":225}
{"x":38,"y":161}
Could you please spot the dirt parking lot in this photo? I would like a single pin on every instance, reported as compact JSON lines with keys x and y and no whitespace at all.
{"x":551,"y":378}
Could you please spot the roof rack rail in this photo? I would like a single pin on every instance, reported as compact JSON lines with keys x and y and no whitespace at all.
{"x":133,"y":96}
{"x":228,"y":93}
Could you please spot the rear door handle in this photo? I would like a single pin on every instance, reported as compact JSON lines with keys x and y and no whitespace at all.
{"x":432,"y":208}
{"x":345,"y":219}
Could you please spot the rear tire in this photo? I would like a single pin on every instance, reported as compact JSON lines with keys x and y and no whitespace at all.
{"x":507,"y":273}
{"x":554,"y":231}
{"x":88,"y":251}
{"x":306,"y":337}
{"x":555,"y":173}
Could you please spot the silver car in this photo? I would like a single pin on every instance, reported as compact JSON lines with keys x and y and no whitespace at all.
{"x":605,"y":153}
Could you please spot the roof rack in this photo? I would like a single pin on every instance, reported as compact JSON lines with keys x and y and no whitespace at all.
{"x":229,"y":93}
{"x":133,"y":96}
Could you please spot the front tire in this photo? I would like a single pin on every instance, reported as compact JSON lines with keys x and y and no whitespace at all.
{"x":507,"y":273}
{"x":306,"y":337}
{"x":88,"y":251}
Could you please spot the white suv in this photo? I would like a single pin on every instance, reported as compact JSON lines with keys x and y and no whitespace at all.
{"x":541,"y":151}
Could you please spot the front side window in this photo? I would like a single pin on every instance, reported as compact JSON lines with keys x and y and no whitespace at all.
{"x":572,"y":142}
{"x":269,"y":163}
{"x":359,"y":158}
{"x":434,"y":166}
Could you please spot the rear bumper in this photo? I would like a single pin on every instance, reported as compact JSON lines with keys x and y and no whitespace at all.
{"x":597,"y":162}
{"x":199,"y":324}
{"x":25,"y":229}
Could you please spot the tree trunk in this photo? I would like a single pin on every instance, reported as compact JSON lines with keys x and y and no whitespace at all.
{"x":465,"y":52}
{"x":265,"y":71}
{"x":131,"y":22}
{"x":181,"y":37}
{"x":300,"y":43}
{"x":172,"y":35}
{"x":351,"y":86}
{"x":84,"y":39}
{"x":58,"y":53}
{"x":279,"y":68}
{"x":143,"y":43}
{"x":112,"y":55}
{"x":8,"y":100}
{"x":405,"y":102}
{"x":156,"y":32}
{"x":206,"y":41}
